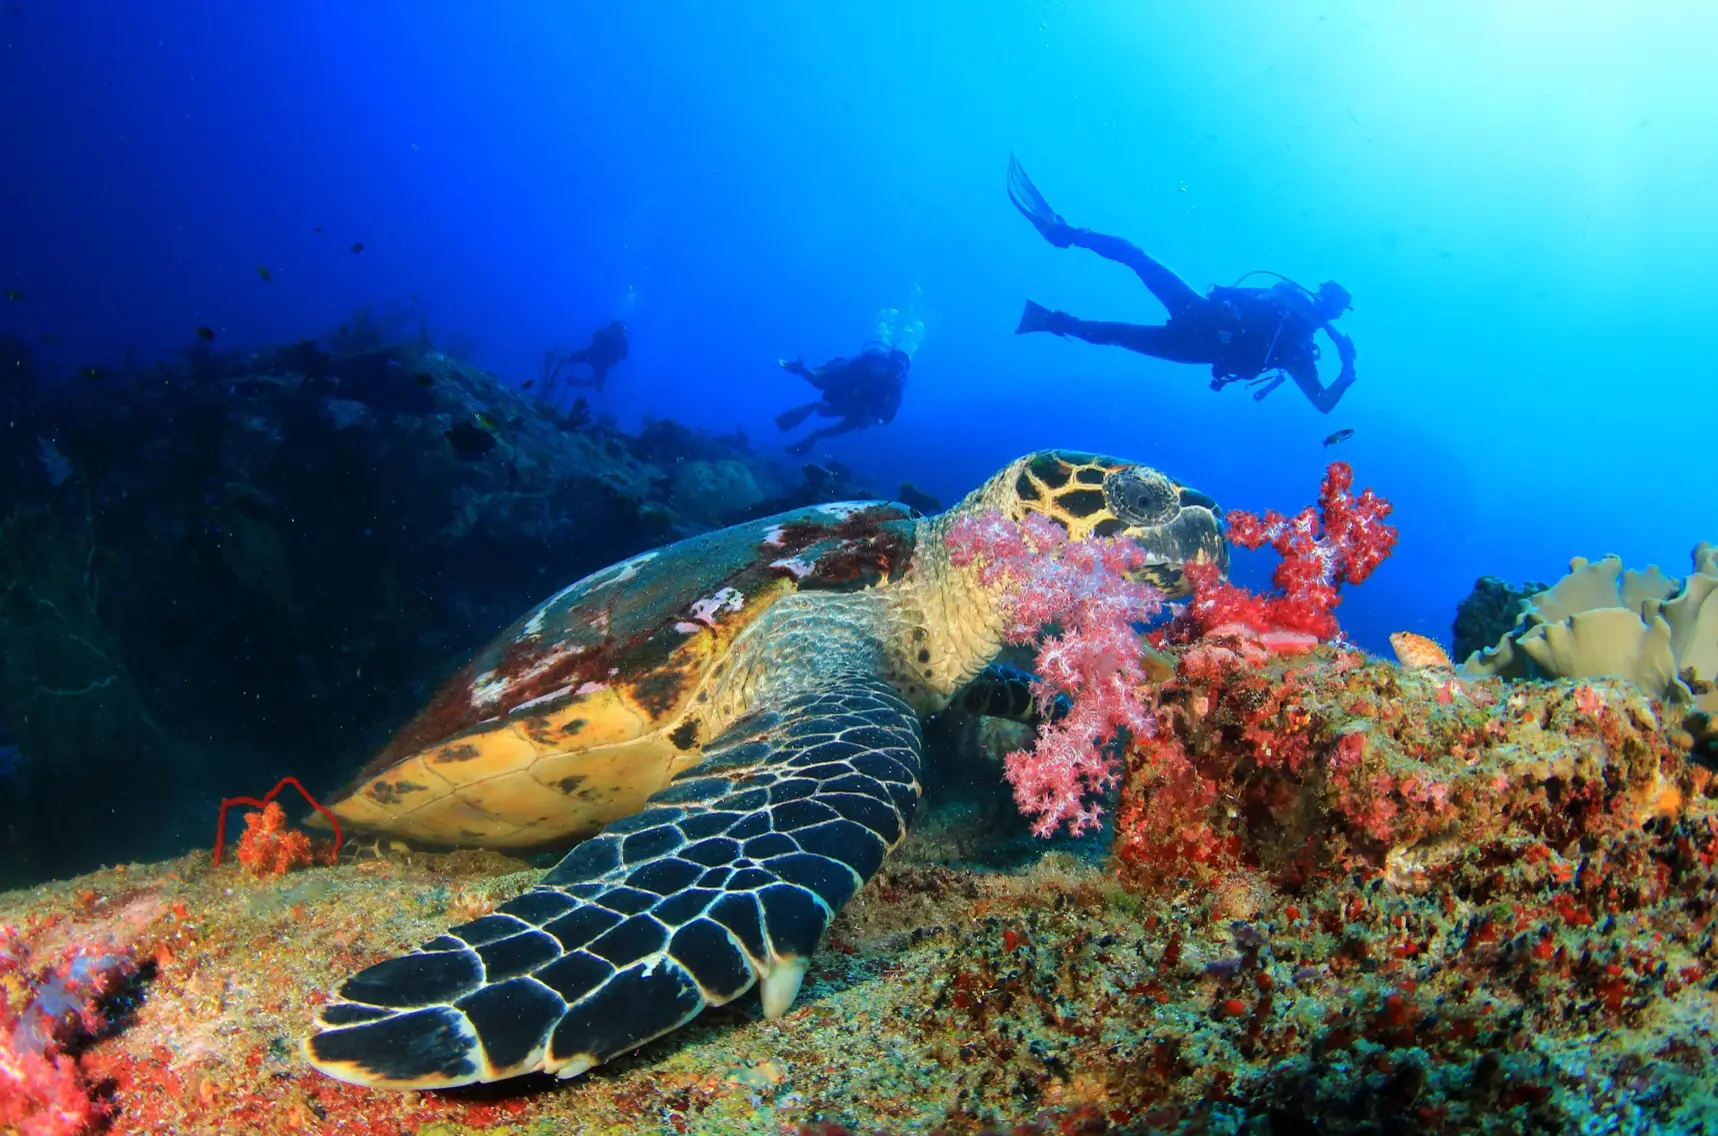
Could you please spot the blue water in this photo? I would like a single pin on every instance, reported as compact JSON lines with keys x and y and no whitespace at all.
{"x":1519,"y":197}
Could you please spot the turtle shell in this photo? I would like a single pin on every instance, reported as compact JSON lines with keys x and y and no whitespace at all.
{"x":589,"y":703}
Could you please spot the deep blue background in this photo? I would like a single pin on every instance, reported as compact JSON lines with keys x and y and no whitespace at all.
{"x":1519,"y":197}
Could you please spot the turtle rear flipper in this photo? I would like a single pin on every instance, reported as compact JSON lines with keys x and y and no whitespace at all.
{"x":731,"y":875}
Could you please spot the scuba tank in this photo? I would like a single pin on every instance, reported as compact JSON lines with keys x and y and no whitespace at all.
{"x":1264,"y":366}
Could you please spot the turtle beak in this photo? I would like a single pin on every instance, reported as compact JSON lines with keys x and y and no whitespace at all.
{"x":1194,"y":535}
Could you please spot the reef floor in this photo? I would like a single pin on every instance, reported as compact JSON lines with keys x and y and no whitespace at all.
{"x":1539,"y":974}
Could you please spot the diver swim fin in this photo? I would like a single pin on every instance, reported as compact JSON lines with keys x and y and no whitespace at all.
{"x":1035,"y":317}
{"x":788,"y":419}
{"x":1030,"y":202}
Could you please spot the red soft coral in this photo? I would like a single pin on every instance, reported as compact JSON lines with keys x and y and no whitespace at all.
{"x":1084,"y":591}
{"x":44,"y":1096}
{"x":1341,"y":542}
{"x":43,"y":1010}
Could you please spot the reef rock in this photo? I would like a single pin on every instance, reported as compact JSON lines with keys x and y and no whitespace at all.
{"x":261,"y":562}
{"x":1487,"y":613}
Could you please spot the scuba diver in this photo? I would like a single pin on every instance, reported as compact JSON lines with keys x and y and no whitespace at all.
{"x":606,"y":348}
{"x":862,"y":391}
{"x":1254,"y":335}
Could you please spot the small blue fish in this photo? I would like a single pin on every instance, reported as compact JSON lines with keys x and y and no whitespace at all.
{"x":1339,"y":436}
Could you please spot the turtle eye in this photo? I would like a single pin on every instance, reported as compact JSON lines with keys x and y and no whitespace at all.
{"x":1140,"y":496}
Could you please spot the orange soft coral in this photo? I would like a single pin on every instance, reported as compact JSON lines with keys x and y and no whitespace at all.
{"x":268,"y":848}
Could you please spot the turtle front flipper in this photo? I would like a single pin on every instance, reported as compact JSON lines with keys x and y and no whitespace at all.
{"x":730,"y":876}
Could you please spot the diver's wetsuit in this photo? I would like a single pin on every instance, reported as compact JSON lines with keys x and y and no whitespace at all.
{"x":606,"y":348}
{"x":1241,"y":332}
{"x":861,"y":392}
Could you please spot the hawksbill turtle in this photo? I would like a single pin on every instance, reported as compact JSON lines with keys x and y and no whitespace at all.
{"x":735,"y":717}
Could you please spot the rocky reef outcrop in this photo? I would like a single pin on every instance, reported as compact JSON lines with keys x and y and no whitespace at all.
{"x":250,"y":564}
{"x":1488,"y":613}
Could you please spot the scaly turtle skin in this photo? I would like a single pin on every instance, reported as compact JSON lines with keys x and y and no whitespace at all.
{"x":738,"y":714}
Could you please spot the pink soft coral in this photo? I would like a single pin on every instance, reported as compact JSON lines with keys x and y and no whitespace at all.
{"x":1084,"y":591}
{"x":1342,"y":541}
{"x":44,"y":1009}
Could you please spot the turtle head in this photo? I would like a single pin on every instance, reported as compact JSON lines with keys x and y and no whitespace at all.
{"x":1093,"y":495}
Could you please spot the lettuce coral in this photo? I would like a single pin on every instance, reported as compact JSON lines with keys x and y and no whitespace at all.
{"x":1601,"y":620}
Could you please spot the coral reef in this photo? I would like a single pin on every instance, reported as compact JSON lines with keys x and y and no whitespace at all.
{"x":1654,"y":630}
{"x":1487,"y":613}
{"x":1698,"y":732}
{"x":1336,"y":896}
{"x":48,"y":1011}
{"x":1083,"y":594}
{"x":1321,"y":768}
{"x":1529,"y":949}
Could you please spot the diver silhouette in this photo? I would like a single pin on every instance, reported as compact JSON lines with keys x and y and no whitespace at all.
{"x":606,"y":348}
{"x":1254,"y":335}
{"x":863,"y":391}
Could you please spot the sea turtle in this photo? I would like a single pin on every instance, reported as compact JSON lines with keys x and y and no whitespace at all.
{"x":738,"y":714}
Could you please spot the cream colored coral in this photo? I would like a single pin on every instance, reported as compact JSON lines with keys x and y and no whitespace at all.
{"x":1602,"y":621}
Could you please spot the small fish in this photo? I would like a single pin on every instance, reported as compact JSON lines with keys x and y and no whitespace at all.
{"x":205,"y":333}
{"x":262,"y":271}
{"x":424,"y":378}
{"x":469,"y":441}
{"x":14,"y":295}
{"x":487,"y":420}
{"x":47,"y":337}
{"x":318,"y":228}
{"x":1416,"y":652}
{"x":91,"y":372}
{"x":1339,"y":436}
{"x":356,"y":246}
{"x":527,"y":384}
